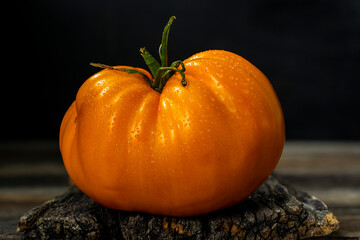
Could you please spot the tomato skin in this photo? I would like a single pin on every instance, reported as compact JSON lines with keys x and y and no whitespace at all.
{"x":183,"y":152}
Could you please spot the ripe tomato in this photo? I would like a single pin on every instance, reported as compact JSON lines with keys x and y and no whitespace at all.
{"x":184,"y":151}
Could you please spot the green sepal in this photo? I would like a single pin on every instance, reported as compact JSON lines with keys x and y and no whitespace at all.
{"x":128,"y":70}
{"x":164,"y":43}
{"x":150,"y":61}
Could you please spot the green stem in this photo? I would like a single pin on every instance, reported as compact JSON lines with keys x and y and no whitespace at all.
{"x":161,"y":72}
{"x":162,"y":75}
{"x":168,"y":70}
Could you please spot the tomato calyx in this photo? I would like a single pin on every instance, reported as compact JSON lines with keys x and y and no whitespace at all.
{"x":161,"y":72}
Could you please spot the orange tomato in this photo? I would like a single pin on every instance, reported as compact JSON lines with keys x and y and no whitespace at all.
{"x":186,"y":151}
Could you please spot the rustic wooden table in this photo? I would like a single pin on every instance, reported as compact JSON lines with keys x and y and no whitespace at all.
{"x":32,"y":172}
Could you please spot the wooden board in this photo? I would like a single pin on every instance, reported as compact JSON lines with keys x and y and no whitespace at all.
{"x":328,"y":170}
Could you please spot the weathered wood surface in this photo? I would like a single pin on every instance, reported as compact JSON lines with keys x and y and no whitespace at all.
{"x":32,"y":173}
{"x":273,"y":211}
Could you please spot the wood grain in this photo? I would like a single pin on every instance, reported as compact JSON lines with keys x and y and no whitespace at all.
{"x":273,"y":211}
{"x":327,"y":170}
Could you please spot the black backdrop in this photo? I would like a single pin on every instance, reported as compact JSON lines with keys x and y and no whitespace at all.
{"x":310,"y":51}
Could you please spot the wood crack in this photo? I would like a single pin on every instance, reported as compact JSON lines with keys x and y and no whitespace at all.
{"x":272,"y":212}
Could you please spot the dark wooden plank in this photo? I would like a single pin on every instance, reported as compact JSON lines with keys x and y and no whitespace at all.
{"x":328,"y":170}
{"x":331,"y":172}
{"x":7,"y":230}
{"x":29,"y":152}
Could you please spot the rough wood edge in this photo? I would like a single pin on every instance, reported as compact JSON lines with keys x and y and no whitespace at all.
{"x":272,"y":212}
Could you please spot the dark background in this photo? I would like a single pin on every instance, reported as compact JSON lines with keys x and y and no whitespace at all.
{"x":309,"y":50}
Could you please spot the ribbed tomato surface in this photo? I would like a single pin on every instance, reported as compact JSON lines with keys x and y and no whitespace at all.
{"x":186,"y":151}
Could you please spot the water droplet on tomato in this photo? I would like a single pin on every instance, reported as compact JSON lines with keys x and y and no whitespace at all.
{"x":100,"y":82}
{"x":104,"y":91}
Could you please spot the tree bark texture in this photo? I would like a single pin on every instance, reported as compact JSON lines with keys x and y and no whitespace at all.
{"x":274,"y":211}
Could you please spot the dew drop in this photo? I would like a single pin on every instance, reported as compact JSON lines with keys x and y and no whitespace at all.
{"x":100,"y":82}
{"x":104,"y":91}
